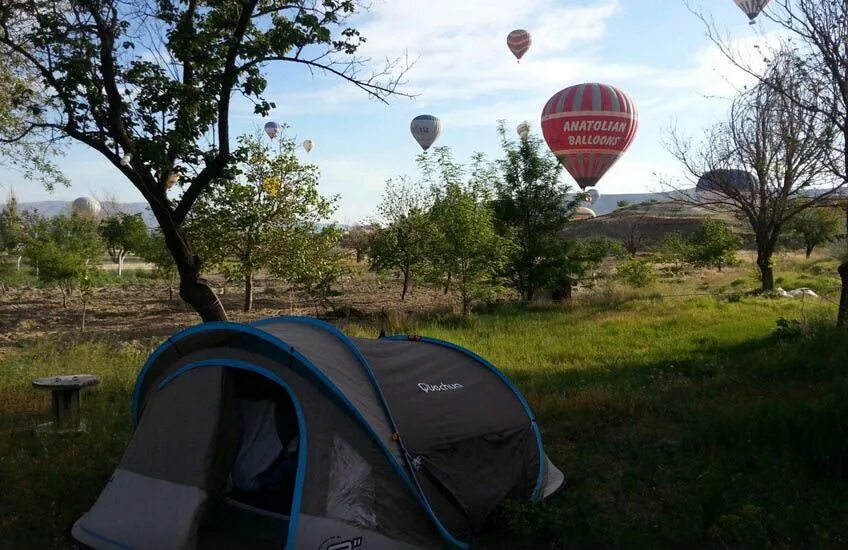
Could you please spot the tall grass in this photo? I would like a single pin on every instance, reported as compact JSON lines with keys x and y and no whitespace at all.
{"x":679,"y":422}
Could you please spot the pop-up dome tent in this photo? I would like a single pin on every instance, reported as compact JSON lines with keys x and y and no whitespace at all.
{"x":288,"y":433}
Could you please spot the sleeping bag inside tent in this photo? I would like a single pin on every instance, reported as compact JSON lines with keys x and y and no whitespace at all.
{"x":286,"y":432}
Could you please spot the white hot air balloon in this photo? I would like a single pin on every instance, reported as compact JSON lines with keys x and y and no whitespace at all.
{"x":583,"y":213}
{"x":173,"y":179}
{"x":126,"y":159}
{"x":594,"y":195}
{"x":425,"y":129}
{"x":86,"y":207}
{"x":272,"y":129}
{"x":523,"y":129}
{"x":307,"y":145}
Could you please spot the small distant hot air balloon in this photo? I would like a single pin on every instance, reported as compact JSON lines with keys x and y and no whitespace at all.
{"x":173,"y":179}
{"x":307,"y":145}
{"x":752,"y":8}
{"x":588,"y":127}
{"x":583,"y":213}
{"x":126,"y":159}
{"x":594,"y":195}
{"x":425,"y":129}
{"x":86,"y":207}
{"x":518,"y":42}
{"x":523,"y":129}
{"x":272,"y":129}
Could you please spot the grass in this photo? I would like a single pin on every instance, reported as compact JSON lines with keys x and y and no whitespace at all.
{"x":681,"y":422}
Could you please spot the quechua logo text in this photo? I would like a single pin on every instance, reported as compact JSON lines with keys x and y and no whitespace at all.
{"x":427,"y":388}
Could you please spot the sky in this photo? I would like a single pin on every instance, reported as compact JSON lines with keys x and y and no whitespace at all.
{"x":654,"y":50}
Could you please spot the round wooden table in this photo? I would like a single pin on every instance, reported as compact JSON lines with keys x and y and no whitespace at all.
{"x":66,"y":398}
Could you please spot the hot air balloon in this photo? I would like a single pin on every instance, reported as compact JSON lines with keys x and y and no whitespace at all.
{"x":721,"y":184}
{"x":752,"y":8}
{"x":583,"y":213}
{"x":523,"y":129}
{"x":126,"y":160}
{"x":425,"y":129}
{"x":307,"y":145}
{"x":518,"y":42}
{"x":86,"y":207}
{"x":173,"y":179}
{"x":272,"y":129}
{"x":588,"y":127}
{"x":594,"y":195}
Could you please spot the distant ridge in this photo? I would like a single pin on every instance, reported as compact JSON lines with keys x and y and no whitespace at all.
{"x":51,"y":209}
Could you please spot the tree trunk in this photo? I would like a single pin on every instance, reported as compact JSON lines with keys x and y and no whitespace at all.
{"x":358,"y":256}
{"x":766,"y":270}
{"x":120,"y":264}
{"x":842,"y":316}
{"x":194,"y":289}
{"x":810,"y":250}
{"x":406,"y":277}
{"x":248,"y":292}
{"x":170,"y":292}
{"x":563,"y":292}
{"x":64,"y":297}
{"x":18,"y":263}
{"x":84,"y":311}
{"x":447,"y":284}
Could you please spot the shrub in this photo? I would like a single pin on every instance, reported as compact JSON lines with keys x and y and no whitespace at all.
{"x":637,"y":273}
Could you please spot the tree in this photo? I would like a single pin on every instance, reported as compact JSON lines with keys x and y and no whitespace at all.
{"x":782,"y":146}
{"x":466,"y":253}
{"x":814,"y":30}
{"x":314,"y":264}
{"x":122,"y":234}
{"x":579,"y":258}
{"x":156,"y":253}
{"x":25,"y":145}
{"x":531,"y":211}
{"x":713,"y":245}
{"x":62,"y":248}
{"x":357,"y":238}
{"x":816,"y":226}
{"x":403,"y":240}
{"x":622,"y":204}
{"x":12,"y":230}
{"x":150,"y":82}
{"x":268,"y":212}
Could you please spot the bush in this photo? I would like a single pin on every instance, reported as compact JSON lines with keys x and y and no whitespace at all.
{"x":637,"y":273}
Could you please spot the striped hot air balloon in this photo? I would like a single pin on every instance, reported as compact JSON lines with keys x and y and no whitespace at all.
{"x":518,"y":42}
{"x":425,"y":129}
{"x":752,"y":8}
{"x":588,"y":127}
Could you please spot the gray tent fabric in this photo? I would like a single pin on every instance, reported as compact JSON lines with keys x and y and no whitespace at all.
{"x":288,"y":433}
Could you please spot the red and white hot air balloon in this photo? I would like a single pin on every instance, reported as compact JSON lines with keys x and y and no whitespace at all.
{"x":752,"y":8}
{"x":588,"y":127}
{"x":518,"y":42}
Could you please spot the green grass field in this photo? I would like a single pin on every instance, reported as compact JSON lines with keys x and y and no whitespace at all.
{"x":680,"y":422}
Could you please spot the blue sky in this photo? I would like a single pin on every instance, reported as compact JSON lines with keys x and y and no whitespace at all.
{"x":655,"y":50}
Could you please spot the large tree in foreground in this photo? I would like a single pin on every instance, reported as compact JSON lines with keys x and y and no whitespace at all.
{"x":766,"y":163}
{"x":148,"y":84}
{"x":816,"y":31}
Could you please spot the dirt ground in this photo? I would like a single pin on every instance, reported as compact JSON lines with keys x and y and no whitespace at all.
{"x":143,"y":312}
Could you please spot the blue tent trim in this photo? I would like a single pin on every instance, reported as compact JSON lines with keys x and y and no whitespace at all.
{"x":302,"y":446}
{"x":537,"y":490}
